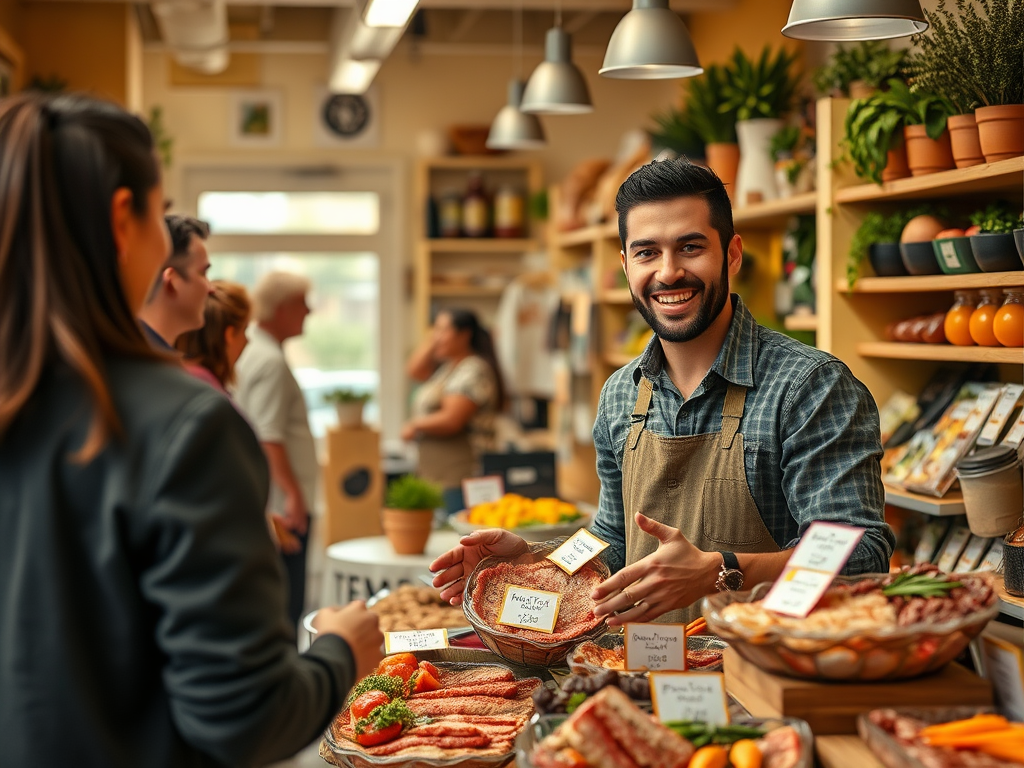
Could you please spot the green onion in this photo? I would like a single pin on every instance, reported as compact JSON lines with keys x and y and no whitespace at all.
{"x":919,"y":585}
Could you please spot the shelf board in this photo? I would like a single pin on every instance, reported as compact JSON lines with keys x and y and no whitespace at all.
{"x":587,"y":235}
{"x":800,"y":322}
{"x":844,"y":752}
{"x":950,"y":504}
{"x":1004,"y":176}
{"x":465,"y":291}
{"x":933,"y":283}
{"x":481,"y":245}
{"x":1009,"y":604}
{"x":477,"y":163}
{"x":618,"y":359}
{"x":775,"y":212}
{"x":616,"y":296}
{"x":940,"y":352}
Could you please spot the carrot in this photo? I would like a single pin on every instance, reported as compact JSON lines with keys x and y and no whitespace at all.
{"x":976,"y":724}
{"x":975,"y":740}
{"x":695,"y":626}
{"x":711,"y":756}
{"x":745,"y":754}
{"x":1007,"y":749}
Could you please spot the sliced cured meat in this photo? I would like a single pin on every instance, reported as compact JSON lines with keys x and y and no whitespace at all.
{"x":590,"y":738}
{"x":471,"y":705}
{"x":593,"y":654}
{"x":647,"y":746}
{"x":440,"y":742}
{"x":453,"y":678}
{"x":701,"y":659}
{"x":576,"y":611}
{"x":502,"y":690}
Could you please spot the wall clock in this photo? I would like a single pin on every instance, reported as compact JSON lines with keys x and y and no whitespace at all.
{"x":346,"y":114}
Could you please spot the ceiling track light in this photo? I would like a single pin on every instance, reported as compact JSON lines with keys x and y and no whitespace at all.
{"x":851,"y":20}
{"x":650,"y":43}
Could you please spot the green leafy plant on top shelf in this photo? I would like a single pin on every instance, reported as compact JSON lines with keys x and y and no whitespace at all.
{"x":784,"y":143}
{"x":996,"y":218}
{"x":878,"y":227}
{"x":676,"y":132}
{"x":341,"y":396}
{"x":764,"y":88}
{"x":973,"y":55}
{"x":712,"y":119}
{"x":871,"y":61}
{"x":413,"y":493}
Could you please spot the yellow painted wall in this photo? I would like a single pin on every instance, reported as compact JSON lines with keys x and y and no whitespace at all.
{"x":750,"y":24}
{"x":10,"y":15}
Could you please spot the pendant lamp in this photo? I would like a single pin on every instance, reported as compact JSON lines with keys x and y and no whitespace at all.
{"x":557,"y":86}
{"x":650,"y":43}
{"x":848,"y":20}
{"x":512,"y":129}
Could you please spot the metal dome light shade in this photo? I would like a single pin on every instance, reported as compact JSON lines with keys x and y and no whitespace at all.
{"x":850,"y":20}
{"x":512,"y":129}
{"x":650,"y":43}
{"x":557,"y":87}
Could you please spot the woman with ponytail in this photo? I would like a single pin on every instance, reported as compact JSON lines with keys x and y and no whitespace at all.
{"x":454,"y":410}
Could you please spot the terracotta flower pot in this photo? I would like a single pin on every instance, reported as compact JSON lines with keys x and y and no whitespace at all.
{"x":925,"y":155}
{"x":963,"y":137}
{"x":896,"y":163}
{"x":724,"y":159}
{"x":1001,"y":131}
{"x":407,"y":529}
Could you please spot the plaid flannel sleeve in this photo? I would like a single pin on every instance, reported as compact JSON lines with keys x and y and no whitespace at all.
{"x":609,"y":523}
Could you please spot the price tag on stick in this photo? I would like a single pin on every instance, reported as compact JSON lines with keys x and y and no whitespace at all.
{"x":413,"y":640}
{"x":696,"y":696}
{"x":655,"y":647}
{"x":578,"y":550}
{"x":479,"y":490}
{"x":529,"y":609}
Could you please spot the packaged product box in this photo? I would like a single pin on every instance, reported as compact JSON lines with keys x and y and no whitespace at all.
{"x":993,"y":558}
{"x":1004,"y":408}
{"x":898,"y":410}
{"x":931,"y":539}
{"x":953,"y":548}
{"x":908,"y":457}
{"x":1016,"y":434}
{"x":971,"y":555}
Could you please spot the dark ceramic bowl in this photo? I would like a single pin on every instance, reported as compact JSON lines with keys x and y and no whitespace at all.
{"x":885,"y":260}
{"x":1018,"y":238}
{"x":996,"y":252}
{"x":919,"y":258}
{"x":955,"y":256}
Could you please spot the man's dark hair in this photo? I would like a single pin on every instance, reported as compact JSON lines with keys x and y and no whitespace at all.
{"x":181,"y":229}
{"x":668,"y":179}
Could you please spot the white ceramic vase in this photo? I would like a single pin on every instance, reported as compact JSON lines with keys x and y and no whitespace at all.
{"x":756,"y":175}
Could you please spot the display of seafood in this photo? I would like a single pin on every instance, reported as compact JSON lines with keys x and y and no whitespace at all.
{"x":417,"y":710}
{"x":980,"y":741}
{"x":413,"y":607}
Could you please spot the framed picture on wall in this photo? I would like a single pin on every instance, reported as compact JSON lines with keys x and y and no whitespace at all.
{"x":255,"y":118}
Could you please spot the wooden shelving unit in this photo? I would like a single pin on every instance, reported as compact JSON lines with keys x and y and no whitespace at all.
{"x":775,"y":213}
{"x":616,"y":296}
{"x":940,"y":352}
{"x":800,"y":322}
{"x":616,"y":360}
{"x":1011,"y":605}
{"x":468,"y":291}
{"x":933,"y":283}
{"x":585,"y":236}
{"x":481,"y":245}
{"x":949,"y":505}
{"x":1004,"y":176}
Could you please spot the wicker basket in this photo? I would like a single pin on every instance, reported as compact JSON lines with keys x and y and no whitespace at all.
{"x":515,"y":648}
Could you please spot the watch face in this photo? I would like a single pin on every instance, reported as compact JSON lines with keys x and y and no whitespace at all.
{"x":346,"y":114}
{"x":733,"y":580}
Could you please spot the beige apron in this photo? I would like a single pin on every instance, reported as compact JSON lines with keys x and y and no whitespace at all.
{"x":443,"y":460}
{"x":697,"y":484}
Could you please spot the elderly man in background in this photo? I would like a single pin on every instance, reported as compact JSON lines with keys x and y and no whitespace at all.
{"x":269,"y":395}
{"x":177,"y":300}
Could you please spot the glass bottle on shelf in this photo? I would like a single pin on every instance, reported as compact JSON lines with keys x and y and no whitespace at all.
{"x":450,"y":215}
{"x":958,"y":319}
{"x":1008,"y":325}
{"x":508,"y":212}
{"x":982,"y":319}
{"x":475,"y":209}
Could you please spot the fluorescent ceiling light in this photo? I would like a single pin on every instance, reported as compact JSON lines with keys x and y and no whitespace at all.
{"x":351,"y":76}
{"x":849,"y":20}
{"x":366,"y":42}
{"x":389,"y":13}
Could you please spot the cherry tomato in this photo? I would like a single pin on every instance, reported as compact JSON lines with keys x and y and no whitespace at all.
{"x":366,"y":703}
{"x":424,"y":681}
{"x":426,"y":666}
{"x":371,"y":737}
{"x":401,"y":665}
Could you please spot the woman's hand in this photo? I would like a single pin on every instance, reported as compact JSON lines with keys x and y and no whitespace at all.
{"x":408,"y":432}
{"x":453,"y":567}
{"x":359,"y":628}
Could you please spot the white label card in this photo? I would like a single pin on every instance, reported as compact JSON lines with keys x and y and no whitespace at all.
{"x":529,"y":609}
{"x":413,"y":640}
{"x":578,"y":550}
{"x":691,"y":696}
{"x":1004,"y":663}
{"x":655,"y":647}
{"x":822,"y":552}
{"x":480,"y":490}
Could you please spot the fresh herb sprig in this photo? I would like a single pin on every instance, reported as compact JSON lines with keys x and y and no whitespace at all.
{"x":919,"y":585}
{"x":574,"y":702}
{"x":700,"y":734}
{"x":386,"y":715}
{"x":392,"y":685}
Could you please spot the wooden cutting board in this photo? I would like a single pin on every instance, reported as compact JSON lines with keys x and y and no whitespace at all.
{"x":832,"y":708}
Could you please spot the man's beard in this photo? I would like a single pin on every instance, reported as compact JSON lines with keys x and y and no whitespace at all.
{"x":712,"y":302}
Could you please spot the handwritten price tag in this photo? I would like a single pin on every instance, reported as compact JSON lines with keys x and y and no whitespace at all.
{"x":692,"y":696}
{"x":479,"y":490}
{"x":656,"y":647}
{"x":578,"y":550}
{"x":820,"y":555}
{"x":529,"y":609}
{"x":415,"y":640}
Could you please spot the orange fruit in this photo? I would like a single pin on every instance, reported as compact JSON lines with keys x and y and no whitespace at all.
{"x":1008,"y":325}
{"x":957,"y":326}
{"x":980,"y":325}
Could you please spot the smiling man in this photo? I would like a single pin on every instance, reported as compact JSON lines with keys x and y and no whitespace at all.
{"x":724,"y":441}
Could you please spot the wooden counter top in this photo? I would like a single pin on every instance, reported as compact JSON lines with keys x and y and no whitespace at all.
{"x":844,"y":752}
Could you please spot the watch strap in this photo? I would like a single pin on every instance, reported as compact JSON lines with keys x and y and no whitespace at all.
{"x":730,"y":561}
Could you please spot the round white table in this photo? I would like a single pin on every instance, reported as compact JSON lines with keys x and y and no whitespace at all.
{"x":359,"y":568}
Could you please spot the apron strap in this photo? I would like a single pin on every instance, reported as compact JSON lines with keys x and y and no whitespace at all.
{"x":732,"y":412}
{"x":639,"y":417}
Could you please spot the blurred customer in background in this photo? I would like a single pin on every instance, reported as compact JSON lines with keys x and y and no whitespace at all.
{"x":210,"y":353}
{"x":454,"y":410}
{"x":142,"y":605}
{"x":270,"y":397}
{"x":177,"y":299}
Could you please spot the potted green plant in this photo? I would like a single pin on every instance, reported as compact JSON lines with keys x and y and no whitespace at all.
{"x":924,"y":127}
{"x":676,"y":133}
{"x":760,"y":93}
{"x":349,"y":405}
{"x":792,"y":165}
{"x":408,"y":514}
{"x":873,"y":139}
{"x":878,"y":238}
{"x":992,"y":238}
{"x":859,"y":70}
{"x":715,"y":126}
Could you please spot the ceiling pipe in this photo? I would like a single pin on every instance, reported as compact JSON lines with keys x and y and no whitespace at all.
{"x":196,"y":31}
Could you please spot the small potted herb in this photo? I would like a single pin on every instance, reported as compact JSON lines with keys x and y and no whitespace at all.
{"x":408,"y":514}
{"x":792,"y":166}
{"x":878,"y":238}
{"x":713,"y":122}
{"x":676,"y":133}
{"x":349,"y":405}
{"x":992,"y":238}
{"x":873,"y":139}
{"x":924,"y":127}
{"x":859,"y":70}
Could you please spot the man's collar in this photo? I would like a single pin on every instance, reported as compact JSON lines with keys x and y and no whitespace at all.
{"x":155,"y":339}
{"x":735,"y":360}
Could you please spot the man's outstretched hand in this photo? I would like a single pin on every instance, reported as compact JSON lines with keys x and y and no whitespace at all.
{"x":453,"y":567}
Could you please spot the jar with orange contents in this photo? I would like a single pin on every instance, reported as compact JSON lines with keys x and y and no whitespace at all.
{"x":1008,"y":325}
{"x":958,"y":319}
{"x":983,"y":318}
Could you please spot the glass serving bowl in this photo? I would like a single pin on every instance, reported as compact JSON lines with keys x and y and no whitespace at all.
{"x":541,"y":726}
{"x":889,"y":750}
{"x":887,"y":653}
{"x":616,"y":641}
{"x":515,"y":648}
